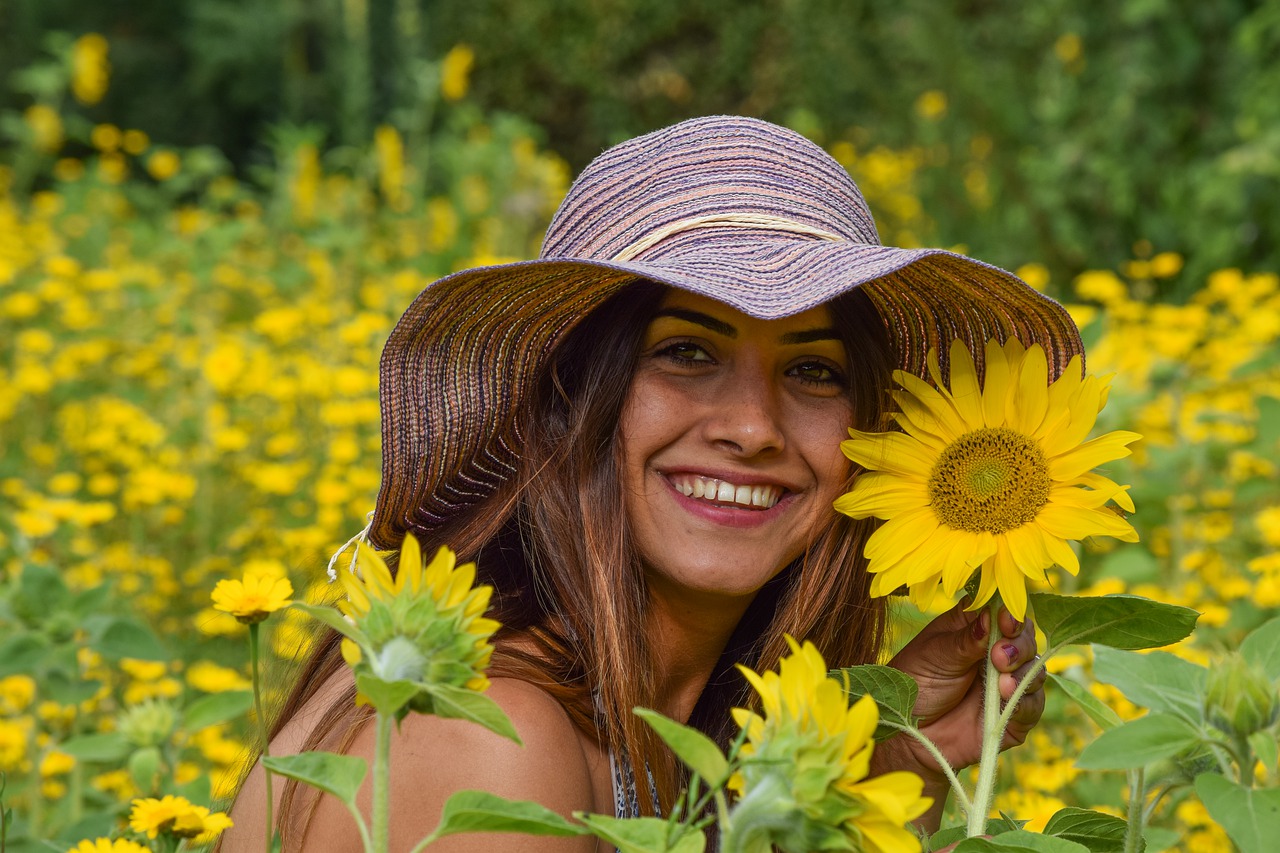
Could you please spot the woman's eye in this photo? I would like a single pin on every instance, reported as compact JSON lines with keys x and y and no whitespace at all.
{"x":684,"y":352}
{"x":817,"y":373}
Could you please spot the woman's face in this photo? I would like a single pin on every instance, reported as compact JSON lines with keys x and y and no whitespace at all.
{"x":730,"y":438}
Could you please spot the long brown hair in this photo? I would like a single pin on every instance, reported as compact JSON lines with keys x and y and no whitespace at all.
{"x":569,"y":588}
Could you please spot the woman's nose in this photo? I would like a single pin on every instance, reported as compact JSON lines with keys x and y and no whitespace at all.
{"x":745,"y":416}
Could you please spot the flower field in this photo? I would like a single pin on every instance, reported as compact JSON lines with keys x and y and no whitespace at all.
{"x":188,"y":390}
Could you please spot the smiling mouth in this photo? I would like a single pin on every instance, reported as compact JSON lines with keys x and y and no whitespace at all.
{"x":721,"y":493}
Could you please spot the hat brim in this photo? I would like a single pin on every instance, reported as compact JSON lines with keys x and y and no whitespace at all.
{"x":459,"y":364}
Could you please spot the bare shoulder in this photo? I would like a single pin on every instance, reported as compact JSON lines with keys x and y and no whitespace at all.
{"x":431,"y":758}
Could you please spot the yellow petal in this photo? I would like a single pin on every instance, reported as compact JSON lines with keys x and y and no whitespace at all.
{"x":1026,"y":411}
{"x":1068,"y":522}
{"x":899,"y":536}
{"x":965,"y":393}
{"x":409,"y":570}
{"x":1091,"y":454}
{"x":881,"y":495}
{"x":892,"y":451}
{"x":1063,"y":554}
{"x":1010,"y":581}
{"x":995,"y":385}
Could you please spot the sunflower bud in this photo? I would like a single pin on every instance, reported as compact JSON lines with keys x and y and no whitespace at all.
{"x":149,"y":723}
{"x":1239,"y":698}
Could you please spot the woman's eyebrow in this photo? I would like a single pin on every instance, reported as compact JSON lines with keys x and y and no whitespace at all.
{"x":697,"y":317}
{"x":808,"y":336}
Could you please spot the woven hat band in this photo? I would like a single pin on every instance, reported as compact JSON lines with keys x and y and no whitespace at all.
{"x":762,"y":221}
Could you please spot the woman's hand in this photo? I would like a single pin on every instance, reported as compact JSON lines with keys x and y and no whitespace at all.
{"x":946,"y":660}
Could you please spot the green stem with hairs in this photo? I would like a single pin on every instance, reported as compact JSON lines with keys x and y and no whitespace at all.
{"x":993,"y":724}
{"x":962,"y":796}
{"x":262,"y":729}
{"x":1133,"y":827}
{"x":382,"y":784}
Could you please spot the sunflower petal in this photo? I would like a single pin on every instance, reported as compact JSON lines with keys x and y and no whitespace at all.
{"x":1105,"y":448}
{"x":965,"y":393}
{"x":995,"y":385}
{"x":881,"y":495}
{"x":892,"y":451}
{"x":1027,"y":409}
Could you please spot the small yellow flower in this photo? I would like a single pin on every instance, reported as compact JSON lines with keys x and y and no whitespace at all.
{"x":455,"y":68}
{"x":175,"y":816}
{"x":163,"y":165}
{"x":90,"y":70}
{"x":931,"y":105}
{"x":108,"y":845}
{"x":46,"y":127}
{"x":252,"y":599}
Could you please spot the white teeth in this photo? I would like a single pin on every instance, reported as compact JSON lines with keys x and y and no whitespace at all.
{"x":705,"y":488}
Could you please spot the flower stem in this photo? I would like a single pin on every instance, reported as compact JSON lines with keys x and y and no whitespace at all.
{"x":382,"y":784}
{"x":992,"y":731}
{"x":1133,"y":828}
{"x":262,"y":729}
{"x":962,"y":797}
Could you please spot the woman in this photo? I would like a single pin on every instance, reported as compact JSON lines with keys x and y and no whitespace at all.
{"x":635,"y":437}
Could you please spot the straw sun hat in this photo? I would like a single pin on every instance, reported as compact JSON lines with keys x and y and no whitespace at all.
{"x":736,"y":209}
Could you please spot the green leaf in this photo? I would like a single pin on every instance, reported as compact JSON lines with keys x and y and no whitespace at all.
{"x":642,"y":834}
{"x":332,"y":617}
{"x":1157,"y":680}
{"x":387,"y":697}
{"x":1159,"y":838}
{"x":1139,"y":742}
{"x":459,"y":703}
{"x":1101,"y":833}
{"x":125,"y":638}
{"x":690,"y":746}
{"x":1119,"y":621}
{"x":108,"y":747}
{"x":143,"y":765}
{"x":1250,"y":816}
{"x":480,"y":811}
{"x":340,"y":775}
{"x":952,"y":834}
{"x":1265,"y":747}
{"x":61,"y":687}
{"x":1020,"y":841}
{"x":216,"y":708}
{"x":21,"y":654}
{"x":892,"y":689}
{"x":1097,"y":710}
{"x":198,"y":790}
{"x":1262,"y":648}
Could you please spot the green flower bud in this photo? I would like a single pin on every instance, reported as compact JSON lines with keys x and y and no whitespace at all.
{"x":150,"y":723}
{"x":1239,"y":698}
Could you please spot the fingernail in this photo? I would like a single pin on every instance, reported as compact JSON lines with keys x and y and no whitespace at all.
{"x":980,"y":625}
{"x":1011,"y":651}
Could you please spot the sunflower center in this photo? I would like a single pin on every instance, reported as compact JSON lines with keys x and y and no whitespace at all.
{"x":992,"y":479}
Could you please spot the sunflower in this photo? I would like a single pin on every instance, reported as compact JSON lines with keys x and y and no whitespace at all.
{"x":424,"y":625}
{"x":804,"y":766}
{"x":994,"y":478}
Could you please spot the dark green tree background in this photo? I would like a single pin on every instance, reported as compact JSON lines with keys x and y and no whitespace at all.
{"x":1154,"y":120}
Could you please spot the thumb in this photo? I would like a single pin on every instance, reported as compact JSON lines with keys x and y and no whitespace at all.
{"x":949,"y":646}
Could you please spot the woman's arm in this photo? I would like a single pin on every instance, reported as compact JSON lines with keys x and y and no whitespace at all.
{"x":432,"y":758}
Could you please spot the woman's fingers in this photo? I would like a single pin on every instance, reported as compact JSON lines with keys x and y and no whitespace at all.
{"x":1016,"y":645}
{"x":1029,"y":708}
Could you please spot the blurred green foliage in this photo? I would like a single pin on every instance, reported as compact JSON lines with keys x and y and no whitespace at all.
{"x":1060,"y":132}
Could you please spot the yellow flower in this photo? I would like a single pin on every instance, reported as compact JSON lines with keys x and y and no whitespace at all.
{"x":175,"y":816}
{"x":46,"y":127}
{"x":90,"y":71}
{"x":252,"y":599}
{"x":996,"y":478}
{"x":819,"y":748}
{"x":442,"y":581}
{"x":108,"y":845}
{"x":455,"y":68}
